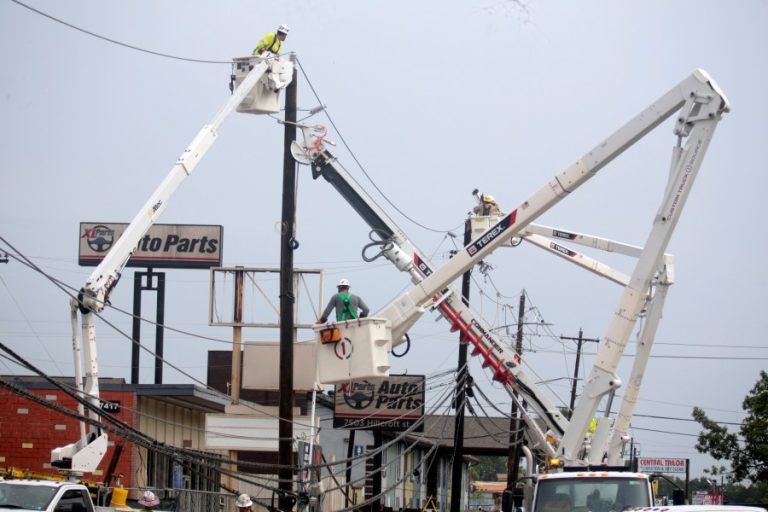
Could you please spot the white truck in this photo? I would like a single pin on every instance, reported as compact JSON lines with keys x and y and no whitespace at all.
{"x":699,"y":104}
{"x":259,"y":82}
{"x":47,"y":496}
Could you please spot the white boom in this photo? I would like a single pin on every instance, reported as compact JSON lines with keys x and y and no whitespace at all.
{"x":600,"y":450}
{"x":700,"y":105}
{"x":270,"y":75}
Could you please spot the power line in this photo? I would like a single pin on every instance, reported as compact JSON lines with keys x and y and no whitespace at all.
{"x":664,"y":432}
{"x":360,"y":165}
{"x":114,"y":41}
{"x":204,"y":61}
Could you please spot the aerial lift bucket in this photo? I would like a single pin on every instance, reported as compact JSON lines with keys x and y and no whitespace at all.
{"x":483,"y":223}
{"x":265,"y":96}
{"x":354,"y":349}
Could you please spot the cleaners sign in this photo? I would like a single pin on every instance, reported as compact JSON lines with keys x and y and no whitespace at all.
{"x":164,"y":245}
{"x":661,"y":465}
{"x":390,"y":403}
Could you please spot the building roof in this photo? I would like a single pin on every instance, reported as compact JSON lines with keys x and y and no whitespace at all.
{"x":494,"y":487}
{"x":38,"y":382}
{"x":189,"y":396}
{"x":482,"y":436}
{"x":185,"y":395}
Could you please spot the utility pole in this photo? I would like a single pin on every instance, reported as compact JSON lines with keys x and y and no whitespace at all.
{"x":287,"y":301}
{"x":461,"y":386}
{"x":235,"y":380}
{"x":579,"y":341}
{"x":515,"y":425}
{"x":237,"y":336}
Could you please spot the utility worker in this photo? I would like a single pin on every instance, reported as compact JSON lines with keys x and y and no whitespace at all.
{"x":271,"y":43}
{"x":244,"y":503}
{"x":149,"y":501}
{"x":486,"y":205}
{"x":346,"y":304}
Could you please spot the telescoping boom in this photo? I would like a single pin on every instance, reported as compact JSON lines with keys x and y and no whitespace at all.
{"x":699,"y":104}
{"x":259,"y":82}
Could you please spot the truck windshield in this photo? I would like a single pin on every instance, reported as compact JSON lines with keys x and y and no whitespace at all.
{"x":598,"y":494}
{"x":28,"y":497}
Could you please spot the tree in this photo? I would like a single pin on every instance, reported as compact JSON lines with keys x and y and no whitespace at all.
{"x":747,"y":451}
{"x":489,"y":467}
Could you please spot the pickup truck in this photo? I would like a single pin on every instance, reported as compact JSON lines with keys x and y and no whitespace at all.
{"x":46,"y":495}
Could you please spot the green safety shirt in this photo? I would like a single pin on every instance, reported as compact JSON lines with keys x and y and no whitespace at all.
{"x":270,"y":43}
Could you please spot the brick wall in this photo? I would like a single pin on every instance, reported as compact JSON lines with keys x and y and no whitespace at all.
{"x":28,"y":432}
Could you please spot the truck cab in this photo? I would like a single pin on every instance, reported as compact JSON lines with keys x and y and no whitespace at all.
{"x":46,"y":495}
{"x":592,"y":491}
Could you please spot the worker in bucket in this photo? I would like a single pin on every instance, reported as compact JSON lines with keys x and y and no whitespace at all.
{"x":486,"y":205}
{"x":149,"y":501}
{"x":244,"y":503}
{"x":270,"y":44}
{"x":346,"y":305}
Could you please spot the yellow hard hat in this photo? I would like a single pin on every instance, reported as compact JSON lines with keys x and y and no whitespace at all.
{"x":487,"y":198}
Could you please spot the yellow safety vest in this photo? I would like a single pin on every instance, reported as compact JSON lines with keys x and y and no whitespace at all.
{"x":270,"y":43}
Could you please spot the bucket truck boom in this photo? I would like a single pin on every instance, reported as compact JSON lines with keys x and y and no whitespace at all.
{"x":259,"y":82}
{"x":699,"y":104}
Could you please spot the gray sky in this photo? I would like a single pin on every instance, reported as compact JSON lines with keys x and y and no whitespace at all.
{"x":434,"y":99}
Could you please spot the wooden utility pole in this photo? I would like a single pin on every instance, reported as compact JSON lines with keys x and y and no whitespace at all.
{"x":287,"y":301}
{"x":237,"y":336}
{"x":461,"y":386}
{"x":235,"y":380}
{"x":515,"y":424}
{"x":579,"y":342}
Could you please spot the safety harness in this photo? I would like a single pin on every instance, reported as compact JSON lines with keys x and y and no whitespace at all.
{"x":272,"y":44}
{"x":347,"y":309}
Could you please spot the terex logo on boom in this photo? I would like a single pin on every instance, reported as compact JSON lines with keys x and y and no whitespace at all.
{"x":492,"y":233}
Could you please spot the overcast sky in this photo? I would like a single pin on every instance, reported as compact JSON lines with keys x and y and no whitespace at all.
{"x":434,"y":99}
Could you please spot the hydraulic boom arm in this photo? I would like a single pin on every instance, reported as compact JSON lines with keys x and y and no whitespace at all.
{"x":700,"y":104}
{"x":85,"y":454}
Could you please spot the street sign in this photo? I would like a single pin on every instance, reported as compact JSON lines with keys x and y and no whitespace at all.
{"x":388,"y":403}
{"x":661,"y":465}
{"x":164,"y":245}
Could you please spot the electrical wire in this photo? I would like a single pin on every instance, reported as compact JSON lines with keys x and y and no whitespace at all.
{"x":114,"y":41}
{"x":206,"y":61}
{"x":130,"y":338}
{"x":360,"y":165}
{"x":29,"y":325}
{"x":128,"y":434}
{"x":74,"y":394}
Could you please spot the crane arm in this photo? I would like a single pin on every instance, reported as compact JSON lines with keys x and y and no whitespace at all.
{"x":271,"y":75}
{"x":95,"y":293}
{"x":701,"y":104}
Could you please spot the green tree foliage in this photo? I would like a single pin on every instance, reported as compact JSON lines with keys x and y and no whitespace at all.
{"x":489,"y":467}
{"x":735,"y":493}
{"x":747,"y":451}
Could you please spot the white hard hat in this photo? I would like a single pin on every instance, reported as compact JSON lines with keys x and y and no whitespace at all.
{"x":283,"y":29}
{"x":343,"y":282}
{"x":244,"y":501}
{"x":149,"y":499}
{"x":488,"y":198}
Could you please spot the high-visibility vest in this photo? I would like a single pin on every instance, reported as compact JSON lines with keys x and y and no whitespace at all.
{"x":345,"y":300}
{"x":270,"y":43}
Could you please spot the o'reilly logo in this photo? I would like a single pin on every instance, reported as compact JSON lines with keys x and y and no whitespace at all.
{"x":99,"y":238}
